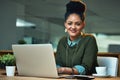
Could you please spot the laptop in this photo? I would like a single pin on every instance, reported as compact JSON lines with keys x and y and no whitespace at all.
{"x":35,"y":60}
{"x":38,"y":60}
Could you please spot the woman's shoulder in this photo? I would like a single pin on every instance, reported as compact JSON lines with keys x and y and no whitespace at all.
{"x":63,"y":39}
{"x":88,"y":36}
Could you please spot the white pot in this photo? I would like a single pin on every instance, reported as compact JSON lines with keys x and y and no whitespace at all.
{"x":10,"y":70}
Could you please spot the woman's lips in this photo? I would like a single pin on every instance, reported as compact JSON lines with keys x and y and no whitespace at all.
{"x":73,"y":31}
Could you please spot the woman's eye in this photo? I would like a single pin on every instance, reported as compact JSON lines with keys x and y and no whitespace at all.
{"x":78,"y":24}
{"x":69,"y":23}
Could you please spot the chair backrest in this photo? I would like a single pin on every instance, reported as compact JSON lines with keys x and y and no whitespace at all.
{"x":111,"y":63}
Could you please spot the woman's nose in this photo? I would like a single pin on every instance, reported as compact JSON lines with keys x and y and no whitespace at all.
{"x":73,"y":26}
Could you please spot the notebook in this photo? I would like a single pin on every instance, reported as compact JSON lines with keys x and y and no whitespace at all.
{"x":37,"y":60}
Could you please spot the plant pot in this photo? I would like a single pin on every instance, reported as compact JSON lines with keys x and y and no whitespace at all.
{"x":10,"y":70}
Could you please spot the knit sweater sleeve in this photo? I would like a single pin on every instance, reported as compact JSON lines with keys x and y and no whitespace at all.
{"x":58,"y":53}
{"x":90,"y":55}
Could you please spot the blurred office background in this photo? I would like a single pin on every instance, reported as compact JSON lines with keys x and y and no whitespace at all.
{"x":42,"y":21}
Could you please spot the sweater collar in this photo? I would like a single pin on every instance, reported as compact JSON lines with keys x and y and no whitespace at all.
{"x":74,"y":42}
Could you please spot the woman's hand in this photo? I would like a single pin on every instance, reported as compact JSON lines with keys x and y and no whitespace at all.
{"x":61,"y":70}
{"x":67,"y":70}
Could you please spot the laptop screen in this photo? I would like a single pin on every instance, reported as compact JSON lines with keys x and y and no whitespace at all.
{"x":35,"y":60}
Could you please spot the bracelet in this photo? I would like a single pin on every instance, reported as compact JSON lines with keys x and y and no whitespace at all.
{"x":72,"y":71}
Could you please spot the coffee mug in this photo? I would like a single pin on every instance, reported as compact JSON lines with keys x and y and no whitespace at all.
{"x":101,"y":70}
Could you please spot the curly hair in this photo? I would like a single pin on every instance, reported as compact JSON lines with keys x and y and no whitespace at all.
{"x":75,"y":6}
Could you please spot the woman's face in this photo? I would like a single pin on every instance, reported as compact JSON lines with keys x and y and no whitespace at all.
{"x":74,"y":25}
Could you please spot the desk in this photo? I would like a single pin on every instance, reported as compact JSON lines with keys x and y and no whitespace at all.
{"x":99,"y":54}
{"x":4,"y":77}
{"x":35,"y":78}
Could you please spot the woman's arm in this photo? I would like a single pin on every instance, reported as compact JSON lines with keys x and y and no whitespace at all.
{"x":67,"y":70}
{"x":90,"y":55}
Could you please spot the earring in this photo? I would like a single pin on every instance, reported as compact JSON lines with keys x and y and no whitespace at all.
{"x":65,"y":30}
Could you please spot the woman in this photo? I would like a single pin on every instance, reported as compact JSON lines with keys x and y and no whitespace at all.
{"x":76,"y":53}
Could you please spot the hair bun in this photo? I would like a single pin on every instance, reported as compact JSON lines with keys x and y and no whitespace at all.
{"x":75,"y":6}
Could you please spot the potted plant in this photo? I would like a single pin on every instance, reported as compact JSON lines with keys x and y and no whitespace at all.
{"x":8,"y":62}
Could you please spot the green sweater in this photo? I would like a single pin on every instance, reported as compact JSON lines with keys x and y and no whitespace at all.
{"x":84,"y":53}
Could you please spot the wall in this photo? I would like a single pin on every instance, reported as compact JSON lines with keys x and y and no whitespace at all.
{"x":9,"y":33}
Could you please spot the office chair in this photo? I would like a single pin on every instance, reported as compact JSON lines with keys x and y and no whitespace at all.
{"x":111,"y":63}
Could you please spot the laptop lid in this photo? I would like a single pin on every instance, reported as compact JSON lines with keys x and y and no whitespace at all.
{"x":35,"y":60}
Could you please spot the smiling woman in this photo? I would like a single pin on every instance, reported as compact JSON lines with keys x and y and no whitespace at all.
{"x":74,"y":26}
{"x":77,"y":52}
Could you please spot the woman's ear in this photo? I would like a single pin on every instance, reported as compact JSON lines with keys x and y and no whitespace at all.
{"x":65,"y":24}
{"x":65,"y":27}
{"x":83,"y":24}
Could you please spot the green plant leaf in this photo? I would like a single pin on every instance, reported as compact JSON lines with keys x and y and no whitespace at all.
{"x":7,"y":59}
